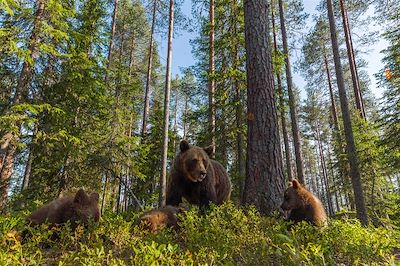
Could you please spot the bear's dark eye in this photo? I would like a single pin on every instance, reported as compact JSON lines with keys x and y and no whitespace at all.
{"x":286,"y":197}
{"x":194,"y":161}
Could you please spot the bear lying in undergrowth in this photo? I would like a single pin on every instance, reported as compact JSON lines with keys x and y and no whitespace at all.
{"x":78,"y":208}
{"x":303,"y":205}
{"x":158,"y":219}
{"x":197,"y":178}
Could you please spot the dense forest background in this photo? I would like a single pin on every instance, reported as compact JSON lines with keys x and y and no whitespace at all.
{"x":84,"y":100}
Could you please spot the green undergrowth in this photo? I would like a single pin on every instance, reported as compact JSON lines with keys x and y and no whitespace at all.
{"x":224,"y":235}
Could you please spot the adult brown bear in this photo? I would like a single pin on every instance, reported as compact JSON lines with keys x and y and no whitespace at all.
{"x":303,"y":205}
{"x":197,"y":178}
{"x":78,"y":208}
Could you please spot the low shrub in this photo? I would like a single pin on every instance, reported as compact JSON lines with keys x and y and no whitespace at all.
{"x":223,"y":235}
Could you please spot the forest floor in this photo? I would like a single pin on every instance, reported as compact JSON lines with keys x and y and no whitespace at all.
{"x":225,"y":235}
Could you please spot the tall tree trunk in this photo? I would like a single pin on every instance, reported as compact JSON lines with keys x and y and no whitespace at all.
{"x":311,"y":170}
{"x":111,"y":43}
{"x":221,"y":127}
{"x":282,"y":105}
{"x":8,"y":151}
{"x":334,"y":180}
{"x":103,"y":199}
{"x":5,"y":174}
{"x":8,"y":141}
{"x":117,"y":94}
{"x":292,"y":103}
{"x":119,"y":194}
{"x":241,"y":160}
{"x":211,"y":78}
{"x":28,"y":170}
{"x":146,"y":108}
{"x":351,"y":147}
{"x":163,"y":177}
{"x":64,"y":175}
{"x":5,"y":143}
{"x":352,"y":61}
{"x":319,"y":181}
{"x":127,"y":168}
{"x":264,"y":178}
{"x":174,"y":144}
{"x":331,"y":95}
{"x":28,"y":167}
{"x":324,"y":170}
{"x":126,"y":187}
{"x":116,"y":185}
{"x":185,"y":114}
{"x":343,"y":165}
{"x":22,"y":90}
{"x":131,"y":58}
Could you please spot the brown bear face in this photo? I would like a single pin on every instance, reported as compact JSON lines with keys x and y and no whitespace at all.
{"x":84,"y":207}
{"x":195,"y":161}
{"x":292,"y":198}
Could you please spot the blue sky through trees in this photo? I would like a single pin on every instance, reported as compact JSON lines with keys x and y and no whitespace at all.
{"x":182,"y":51}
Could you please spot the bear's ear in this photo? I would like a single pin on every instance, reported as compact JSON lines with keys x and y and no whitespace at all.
{"x":94,"y":197}
{"x":81,"y":197}
{"x":295,"y":184}
{"x":209,"y":150}
{"x":184,"y":146}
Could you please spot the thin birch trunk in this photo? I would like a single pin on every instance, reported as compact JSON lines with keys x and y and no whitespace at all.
{"x":211,"y":78}
{"x":163,"y":177}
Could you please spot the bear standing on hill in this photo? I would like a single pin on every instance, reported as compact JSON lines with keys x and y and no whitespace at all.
{"x":197,"y":178}
{"x":303,"y":205}
{"x":80,"y":207}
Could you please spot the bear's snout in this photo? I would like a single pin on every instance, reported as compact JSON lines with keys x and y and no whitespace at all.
{"x":201,"y":176}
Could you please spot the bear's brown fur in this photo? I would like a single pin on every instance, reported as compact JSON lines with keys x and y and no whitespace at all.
{"x":78,"y":208}
{"x":197,"y":178}
{"x":303,"y":205}
{"x":158,"y":219}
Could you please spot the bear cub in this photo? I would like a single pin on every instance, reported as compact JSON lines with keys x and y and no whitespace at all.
{"x":78,"y":208}
{"x":158,"y":219}
{"x":303,"y":205}
{"x":197,"y":178}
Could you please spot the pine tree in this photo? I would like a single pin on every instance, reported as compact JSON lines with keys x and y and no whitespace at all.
{"x":264,"y":180}
{"x":351,"y":149}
